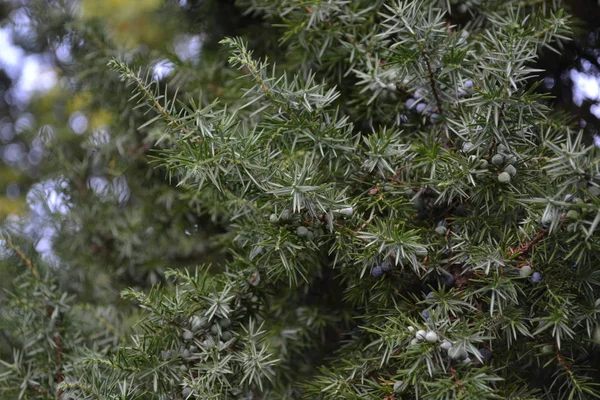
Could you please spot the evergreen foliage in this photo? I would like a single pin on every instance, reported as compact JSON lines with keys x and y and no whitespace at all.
{"x":383,"y":205}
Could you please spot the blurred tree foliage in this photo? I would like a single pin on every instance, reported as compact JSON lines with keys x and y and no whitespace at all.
{"x":372,"y":200}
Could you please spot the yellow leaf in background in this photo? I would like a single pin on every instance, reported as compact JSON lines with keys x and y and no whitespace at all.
{"x":79,"y":102}
{"x":116,"y":9}
{"x":100,"y":118}
{"x":9,"y":206}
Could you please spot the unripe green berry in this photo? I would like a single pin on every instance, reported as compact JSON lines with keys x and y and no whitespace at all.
{"x":420,"y":334}
{"x":467,"y":147}
{"x":548,"y":349}
{"x":446,"y":345}
{"x":596,"y":334}
{"x":197,"y":323}
{"x":431,"y":337}
{"x":302,"y":231}
{"x":414,"y":342}
{"x":483,"y":163}
{"x":457,"y":353}
{"x":572,"y":214}
{"x":398,"y":386}
{"x":525,"y":271}
{"x":274,"y":218}
{"x":226,"y":336}
{"x":512,"y":171}
{"x":187,"y":335}
{"x":225,"y":323}
{"x":502,"y":148}
{"x":214,"y":329}
{"x":348,"y":211}
{"x":504,"y":177}
{"x":286,"y":215}
{"x":498,"y":159}
{"x":440,"y":230}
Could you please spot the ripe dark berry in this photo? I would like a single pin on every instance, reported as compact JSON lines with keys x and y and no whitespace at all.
{"x":425,"y":315}
{"x":186,"y":392}
{"x":486,"y":355}
{"x":536,"y":277}
{"x":386,"y":266}
{"x":460,"y":210}
{"x":447,"y":280}
{"x":377,"y":272}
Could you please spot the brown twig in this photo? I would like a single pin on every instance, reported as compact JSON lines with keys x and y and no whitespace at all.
{"x":524,"y":248}
{"x":436,"y":95}
{"x":59,"y":350}
{"x":22,"y":256}
{"x":561,"y":360}
{"x":458,"y":382}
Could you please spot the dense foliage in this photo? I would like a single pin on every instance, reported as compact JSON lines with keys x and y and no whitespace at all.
{"x":339,"y":200}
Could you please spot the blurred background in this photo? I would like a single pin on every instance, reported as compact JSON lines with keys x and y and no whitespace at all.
{"x":61,"y":142}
